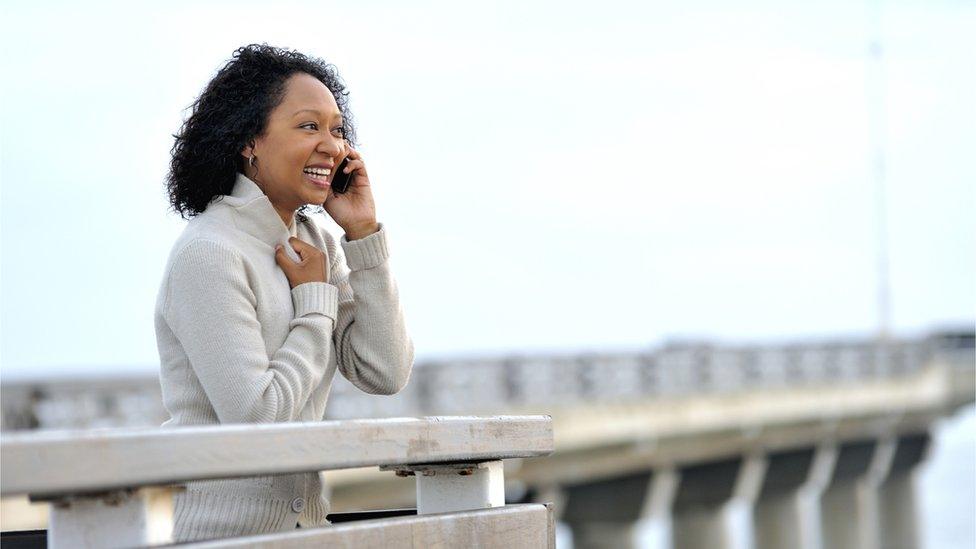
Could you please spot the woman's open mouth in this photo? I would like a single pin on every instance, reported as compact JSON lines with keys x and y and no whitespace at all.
{"x":318,"y":176}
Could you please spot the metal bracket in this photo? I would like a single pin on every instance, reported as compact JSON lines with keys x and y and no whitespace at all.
{"x":431,"y":469}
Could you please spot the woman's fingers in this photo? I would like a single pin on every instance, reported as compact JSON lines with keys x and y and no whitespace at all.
{"x":357,"y":170}
{"x":301,"y":247}
{"x":281,"y":257}
{"x":353,"y":154}
{"x":354,"y":161}
{"x":308,"y":268}
{"x":354,"y":165}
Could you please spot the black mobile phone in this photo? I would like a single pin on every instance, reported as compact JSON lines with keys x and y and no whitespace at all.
{"x":340,"y":179}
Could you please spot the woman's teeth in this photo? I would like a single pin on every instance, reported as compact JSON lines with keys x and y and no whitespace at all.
{"x":318,"y":171}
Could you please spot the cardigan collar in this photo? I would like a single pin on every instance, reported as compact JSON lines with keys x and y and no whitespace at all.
{"x":255,"y":214}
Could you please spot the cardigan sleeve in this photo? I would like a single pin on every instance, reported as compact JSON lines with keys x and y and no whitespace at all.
{"x":373,"y":350}
{"x":211,"y":309}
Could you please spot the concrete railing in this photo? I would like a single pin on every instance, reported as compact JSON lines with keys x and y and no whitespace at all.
{"x":531,"y":384}
{"x":551,"y":383}
{"x":101,"y":483}
{"x":516,"y":384}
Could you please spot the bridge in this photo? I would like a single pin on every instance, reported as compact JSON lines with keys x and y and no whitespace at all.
{"x":815,"y":443}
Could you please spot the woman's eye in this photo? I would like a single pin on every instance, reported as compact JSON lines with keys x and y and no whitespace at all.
{"x":311,"y":126}
{"x":340,"y":130}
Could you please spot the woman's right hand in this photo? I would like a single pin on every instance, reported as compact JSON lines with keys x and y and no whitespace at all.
{"x":314,"y":266}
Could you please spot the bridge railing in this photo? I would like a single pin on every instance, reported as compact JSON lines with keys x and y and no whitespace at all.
{"x":673,"y":371}
{"x":100,"y":483}
{"x":537,"y":383}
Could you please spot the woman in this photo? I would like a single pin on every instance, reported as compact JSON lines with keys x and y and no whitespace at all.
{"x":246,"y":334}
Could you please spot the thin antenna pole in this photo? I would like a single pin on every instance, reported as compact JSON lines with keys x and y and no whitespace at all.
{"x":876,"y":139}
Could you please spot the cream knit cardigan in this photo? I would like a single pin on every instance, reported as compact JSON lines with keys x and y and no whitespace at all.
{"x":237,"y":345}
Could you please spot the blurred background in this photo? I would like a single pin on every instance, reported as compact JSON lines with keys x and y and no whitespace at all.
{"x":620,"y":187}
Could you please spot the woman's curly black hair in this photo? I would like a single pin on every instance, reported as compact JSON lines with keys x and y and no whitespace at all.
{"x":232,"y":110}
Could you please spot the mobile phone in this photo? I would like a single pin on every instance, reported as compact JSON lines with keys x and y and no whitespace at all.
{"x":340,"y":180}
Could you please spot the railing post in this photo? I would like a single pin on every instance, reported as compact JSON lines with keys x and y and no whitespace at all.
{"x":448,"y":487}
{"x":119,"y":518}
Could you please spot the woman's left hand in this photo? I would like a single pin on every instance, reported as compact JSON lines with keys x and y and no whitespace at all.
{"x":354,"y":209}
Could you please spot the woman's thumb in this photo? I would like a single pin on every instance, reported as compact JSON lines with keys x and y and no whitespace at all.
{"x":280,"y":255}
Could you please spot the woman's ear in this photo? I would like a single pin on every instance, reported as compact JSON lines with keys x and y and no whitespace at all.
{"x":248,"y":150}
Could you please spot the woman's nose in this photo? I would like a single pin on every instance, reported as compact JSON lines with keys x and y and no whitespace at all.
{"x":332,"y":146}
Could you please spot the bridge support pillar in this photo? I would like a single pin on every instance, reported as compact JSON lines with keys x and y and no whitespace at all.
{"x":897,"y":507}
{"x":849,"y":505}
{"x":607,"y":513}
{"x":702,"y":514}
{"x":782,"y":517}
{"x":604,"y":535}
{"x":658,"y":505}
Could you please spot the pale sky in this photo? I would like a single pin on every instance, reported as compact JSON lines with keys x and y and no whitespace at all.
{"x":553,"y":178}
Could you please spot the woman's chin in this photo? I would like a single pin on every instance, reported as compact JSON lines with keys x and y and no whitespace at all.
{"x":318,"y":196}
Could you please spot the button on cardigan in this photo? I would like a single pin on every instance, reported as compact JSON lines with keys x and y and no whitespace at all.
{"x":238,"y":345}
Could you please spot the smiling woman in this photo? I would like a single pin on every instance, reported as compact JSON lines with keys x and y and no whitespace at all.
{"x":257,"y":310}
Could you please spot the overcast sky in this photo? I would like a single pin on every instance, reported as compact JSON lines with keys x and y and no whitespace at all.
{"x":556,"y":177}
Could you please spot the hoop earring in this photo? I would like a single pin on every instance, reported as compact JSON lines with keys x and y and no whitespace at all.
{"x":250,"y":160}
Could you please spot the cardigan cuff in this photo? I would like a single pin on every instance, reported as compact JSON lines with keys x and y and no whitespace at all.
{"x":366,"y":253}
{"x":315,"y":297}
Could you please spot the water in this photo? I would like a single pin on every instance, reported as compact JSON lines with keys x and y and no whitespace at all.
{"x":948,"y":485}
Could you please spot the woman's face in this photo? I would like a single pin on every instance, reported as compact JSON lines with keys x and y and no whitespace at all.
{"x":303,"y":136}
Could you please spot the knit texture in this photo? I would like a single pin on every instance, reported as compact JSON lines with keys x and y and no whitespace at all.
{"x":238,"y":345}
